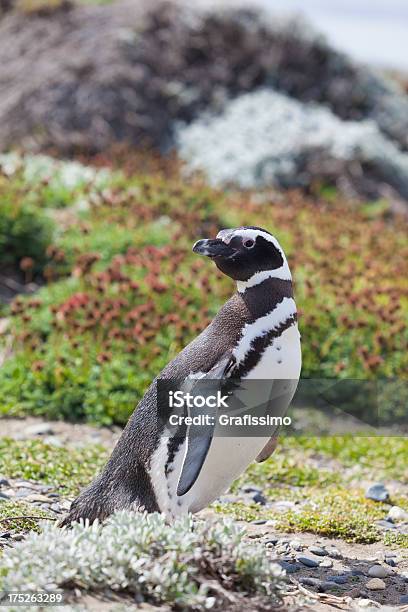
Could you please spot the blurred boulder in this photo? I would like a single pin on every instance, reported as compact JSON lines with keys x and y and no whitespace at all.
{"x":266,"y":138}
{"x":84,"y":77}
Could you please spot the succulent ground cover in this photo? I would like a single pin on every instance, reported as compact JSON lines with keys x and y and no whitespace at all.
{"x":124,"y":293}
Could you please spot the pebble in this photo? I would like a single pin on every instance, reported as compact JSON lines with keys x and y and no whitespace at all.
{"x":326,"y":563}
{"x":296,"y":544}
{"x":385,"y":524}
{"x":283,"y":506}
{"x":249,"y":488}
{"x":376,"y":584}
{"x":271,"y":541}
{"x":404,"y":599}
{"x":4,"y":482}
{"x":334,"y":553}
{"x":259,"y":522}
{"x":377,"y":492}
{"x":397,"y":514}
{"x":290,"y":568}
{"x":308,"y":562}
{"x":341,"y":579}
{"x":357,"y":573}
{"x":378,"y":571}
{"x":258,"y":498}
{"x":39,"y":429}
{"x":391,"y":562}
{"x":317,"y":550}
{"x":313,"y":582}
{"x":3,"y":497}
{"x":368,"y":603}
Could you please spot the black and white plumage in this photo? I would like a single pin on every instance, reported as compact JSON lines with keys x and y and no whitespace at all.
{"x":253,"y":336}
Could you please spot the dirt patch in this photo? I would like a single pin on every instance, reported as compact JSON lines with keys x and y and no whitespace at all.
{"x":58,"y":432}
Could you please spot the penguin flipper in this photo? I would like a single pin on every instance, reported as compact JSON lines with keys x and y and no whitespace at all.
{"x":199,"y":437}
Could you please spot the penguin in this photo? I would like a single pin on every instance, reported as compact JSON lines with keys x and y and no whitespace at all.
{"x":254,"y":342}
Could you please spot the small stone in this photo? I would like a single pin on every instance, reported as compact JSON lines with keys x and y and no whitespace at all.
{"x":341,"y":579}
{"x":283,"y":506}
{"x":296,"y":544}
{"x":326,"y":563}
{"x":313,"y":582}
{"x":317,"y":550}
{"x":39,"y":429}
{"x":368,"y":603}
{"x":397,"y":514}
{"x":334,"y":553}
{"x":4,"y":482}
{"x":357,"y":573}
{"x":378,"y":571}
{"x":308,"y":562}
{"x":259,"y":522}
{"x":404,"y":599}
{"x":3,"y":497}
{"x":258,"y":498}
{"x":271,"y":541}
{"x":290,"y":568}
{"x":391,"y":562}
{"x":386,"y":525}
{"x":250,"y":488}
{"x":377,"y":492}
{"x":376,"y":584}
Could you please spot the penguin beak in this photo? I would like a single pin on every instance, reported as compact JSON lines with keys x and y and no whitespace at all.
{"x":212,"y":248}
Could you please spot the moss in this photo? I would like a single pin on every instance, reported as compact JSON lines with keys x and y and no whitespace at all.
{"x":399,"y":540}
{"x":8,"y":510}
{"x":68,"y":470}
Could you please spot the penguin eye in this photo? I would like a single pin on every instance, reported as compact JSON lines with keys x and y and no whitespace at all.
{"x":248,"y":243}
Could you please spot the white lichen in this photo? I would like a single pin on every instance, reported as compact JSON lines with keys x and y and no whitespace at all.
{"x":188,"y":564}
{"x":266,"y":138}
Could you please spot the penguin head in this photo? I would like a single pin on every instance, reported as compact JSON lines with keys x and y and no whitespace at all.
{"x":244,"y":253}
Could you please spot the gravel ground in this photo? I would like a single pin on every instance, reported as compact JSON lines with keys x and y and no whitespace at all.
{"x":327,"y":573}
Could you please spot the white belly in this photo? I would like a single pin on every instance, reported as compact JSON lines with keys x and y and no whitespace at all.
{"x":228,"y":457}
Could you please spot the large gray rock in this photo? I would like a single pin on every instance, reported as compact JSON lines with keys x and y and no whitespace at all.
{"x":88,"y":76}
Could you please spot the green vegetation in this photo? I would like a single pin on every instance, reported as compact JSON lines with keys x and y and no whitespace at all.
{"x":25,"y":233}
{"x":17,"y":510}
{"x":68,"y":470}
{"x":125,"y":293}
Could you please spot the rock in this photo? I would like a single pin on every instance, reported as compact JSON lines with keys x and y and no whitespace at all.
{"x":378,"y":571}
{"x":377,"y":492}
{"x":39,"y":429}
{"x":334,"y":553}
{"x":258,"y":522}
{"x":271,"y":541}
{"x":250,"y":488}
{"x":386,"y":525}
{"x":296,"y":545}
{"x":283,"y":506}
{"x":376,"y":584}
{"x":390,"y":562}
{"x":258,"y":498}
{"x":368,"y":603}
{"x":340,"y":579}
{"x":308,"y":562}
{"x":290,"y":568}
{"x":404,"y":599}
{"x":313,"y":582}
{"x":317,"y":550}
{"x":397,"y":514}
{"x":4,"y":482}
{"x":326,"y":563}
